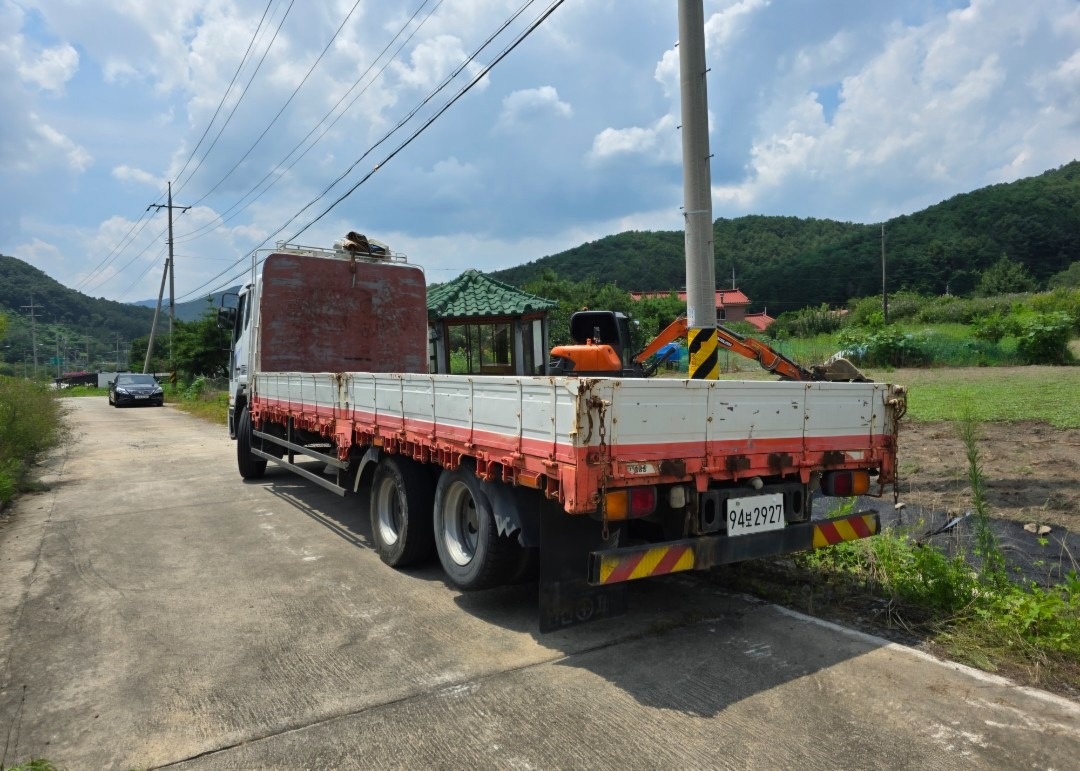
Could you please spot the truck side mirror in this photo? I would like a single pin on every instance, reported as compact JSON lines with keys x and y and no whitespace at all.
{"x":226,"y":318}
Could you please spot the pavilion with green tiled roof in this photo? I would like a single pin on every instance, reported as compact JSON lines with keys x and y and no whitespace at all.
{"x":478,"y":325}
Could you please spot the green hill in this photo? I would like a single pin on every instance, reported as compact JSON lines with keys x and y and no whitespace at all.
{"x":66,"y":319}
{"x":786,"y":262}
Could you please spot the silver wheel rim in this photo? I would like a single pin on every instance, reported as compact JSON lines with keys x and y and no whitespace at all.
{"x":461,"y":524}
{"x":389,"y":508}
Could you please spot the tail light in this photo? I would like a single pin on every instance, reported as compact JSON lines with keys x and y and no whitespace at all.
{"x":845,"y":484}
{"x":631,"y":502}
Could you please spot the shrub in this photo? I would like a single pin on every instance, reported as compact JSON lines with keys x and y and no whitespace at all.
{"x":29,"y":424}
{"x":1059,"y":301}
{"x":993,"y":327}
{"x":865,"y":312}
{"x":887,"y":347}
{"x":1044,"y":339}
{"x":806,"y":322}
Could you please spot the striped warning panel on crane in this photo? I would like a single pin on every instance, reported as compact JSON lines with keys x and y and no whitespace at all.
{"x":657,"y":561}
{"x":847,"y":529}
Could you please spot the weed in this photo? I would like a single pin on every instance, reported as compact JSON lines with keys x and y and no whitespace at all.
{"x":35,"y":764}
{"x":30,"y":423}
{"x":965,"y":603}
{"x":987,"y":549}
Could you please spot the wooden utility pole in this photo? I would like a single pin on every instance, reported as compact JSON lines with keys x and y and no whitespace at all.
{"x":172,"y":285}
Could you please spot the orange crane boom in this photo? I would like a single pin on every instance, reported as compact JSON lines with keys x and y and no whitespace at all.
{"x":769,"y":359}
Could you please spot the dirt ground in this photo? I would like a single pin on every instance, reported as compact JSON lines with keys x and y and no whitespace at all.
{"x":1031,"y":471}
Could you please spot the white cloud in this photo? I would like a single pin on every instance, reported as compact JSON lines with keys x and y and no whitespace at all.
{"x":848,"y":109}
{"x":914,"y":119}
{"x":659,"y":141}
{"x":40,"y":254}
{"x":52,"y":68}
{"x":49,"y":141}
{"x":126,"y":173}
{"x":530,"y":105}
{"x":431,"y":61}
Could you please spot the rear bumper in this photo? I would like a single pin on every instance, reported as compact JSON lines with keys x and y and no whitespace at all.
{"x":611,"y":566}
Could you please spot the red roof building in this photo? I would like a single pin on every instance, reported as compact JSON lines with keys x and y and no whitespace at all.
{"x":731,"y":304}
{"x":759,"y":320}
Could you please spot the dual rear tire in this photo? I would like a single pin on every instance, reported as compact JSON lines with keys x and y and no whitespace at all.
{"x":409,"y":520}
{"x":401,"y":512}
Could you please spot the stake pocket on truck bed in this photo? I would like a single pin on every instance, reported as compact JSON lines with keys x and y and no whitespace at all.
{"x":586,"y":481}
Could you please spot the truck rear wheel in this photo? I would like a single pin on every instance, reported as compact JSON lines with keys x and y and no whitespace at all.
{"x":401,"y":512}
{"x":250,"y":466}
{"x":473,"y":554}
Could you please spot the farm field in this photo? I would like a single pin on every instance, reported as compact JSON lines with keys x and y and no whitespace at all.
{"x":1029,"y":440}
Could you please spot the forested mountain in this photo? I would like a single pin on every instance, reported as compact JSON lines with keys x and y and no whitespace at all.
{"x":782,"y":263}
{"x":786,"y":262}
{"x":86,"y":332}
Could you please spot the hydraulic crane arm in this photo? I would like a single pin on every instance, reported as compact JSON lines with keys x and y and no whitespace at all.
{"x":769,"y":359}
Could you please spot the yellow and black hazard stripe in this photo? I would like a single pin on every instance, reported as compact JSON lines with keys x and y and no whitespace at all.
{"x":848,"y":529}
{"x":656,"y":561}
{"x":704,"y":359}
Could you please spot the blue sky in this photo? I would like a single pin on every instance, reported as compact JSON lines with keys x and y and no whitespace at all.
{"x":849,"y":109}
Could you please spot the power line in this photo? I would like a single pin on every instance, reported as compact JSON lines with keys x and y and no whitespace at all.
{"x":243,"y":93}
{"x":118,"y":248}
{"x":128,"y":264}
{"x":221,"y":219}
{"x":141,"y":276}
{"x":283,"y":107}
{"x":409,"y":116}
{"x":468,"y":87}
{"x":143,"y":220}
{"x":225,"y":96}
{"x":391,"y":132}
{"x":464,"y":90}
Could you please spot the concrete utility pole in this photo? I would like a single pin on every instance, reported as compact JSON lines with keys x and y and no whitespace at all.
{"x":884,"y":293}
{"x":30,"y":311}
{"x":697,"y":194}
{"x":169,"y":272}
{"x":157,"y":312}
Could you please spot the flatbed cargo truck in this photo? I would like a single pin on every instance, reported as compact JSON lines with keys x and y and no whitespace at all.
{"x":579,"y":483}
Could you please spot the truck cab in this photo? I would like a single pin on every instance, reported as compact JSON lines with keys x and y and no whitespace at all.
{"x":236,"y":318}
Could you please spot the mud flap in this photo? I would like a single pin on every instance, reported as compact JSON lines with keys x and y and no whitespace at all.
{"x":566,"y":598}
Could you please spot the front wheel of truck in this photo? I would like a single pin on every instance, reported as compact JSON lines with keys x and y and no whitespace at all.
{"x":473,"y":554}
{"x":250,"y":466}
{"x":401,"y":512}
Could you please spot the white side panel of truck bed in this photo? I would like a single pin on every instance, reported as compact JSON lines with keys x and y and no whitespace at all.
{"x":540,"y":415}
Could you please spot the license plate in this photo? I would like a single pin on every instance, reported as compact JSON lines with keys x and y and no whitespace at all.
{"x":142,"y":396}
{"x":755,"y":514}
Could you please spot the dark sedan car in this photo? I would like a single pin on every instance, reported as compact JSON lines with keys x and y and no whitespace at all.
{"x":135,"y":389}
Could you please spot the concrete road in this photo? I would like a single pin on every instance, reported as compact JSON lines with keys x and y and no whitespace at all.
{"x":157,"y":611}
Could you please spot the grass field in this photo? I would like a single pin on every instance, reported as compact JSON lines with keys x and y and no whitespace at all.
{"x":997,"y":394}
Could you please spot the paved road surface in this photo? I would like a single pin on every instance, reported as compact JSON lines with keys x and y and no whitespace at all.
{"x":157,"y":611}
